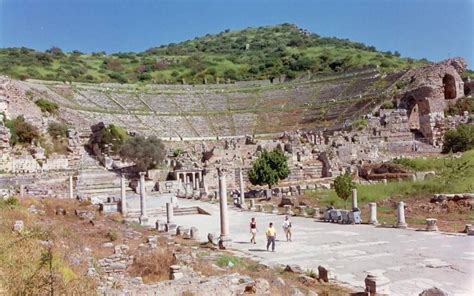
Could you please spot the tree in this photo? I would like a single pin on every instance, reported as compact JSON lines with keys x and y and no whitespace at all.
{"x":146,"y":153}
{"x":459,"y":139}
{"x":269,"y":168}
{"x":343,"y":185}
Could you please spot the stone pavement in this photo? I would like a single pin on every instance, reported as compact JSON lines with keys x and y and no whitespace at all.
{"x":412,"y":260}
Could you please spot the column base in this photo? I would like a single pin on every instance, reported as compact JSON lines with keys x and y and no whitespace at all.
{"x":143,"y":220}
{"x":224,"y":242}
{"x":402,"y":225}
{"x":171,"y":227}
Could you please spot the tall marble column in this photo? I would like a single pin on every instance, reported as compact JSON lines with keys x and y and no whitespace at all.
{"x":401,"y":223}
{"x":71,"y":187}
{"x":354,"y":198}
{"x":143,"y":210}
{"x":223,"y":203}
{"x":242,"y":189}
{"x":123,"y":196}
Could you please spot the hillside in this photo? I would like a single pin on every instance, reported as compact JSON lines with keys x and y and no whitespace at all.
{"x":250,"y":54}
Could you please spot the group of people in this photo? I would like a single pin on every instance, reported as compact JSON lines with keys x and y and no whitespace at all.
{"x":270,"y":232}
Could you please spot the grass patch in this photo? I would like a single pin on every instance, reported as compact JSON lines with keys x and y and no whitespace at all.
{"x":226,"y":260}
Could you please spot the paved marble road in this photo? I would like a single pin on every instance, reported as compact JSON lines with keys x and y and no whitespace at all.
{"x":411,"y":260}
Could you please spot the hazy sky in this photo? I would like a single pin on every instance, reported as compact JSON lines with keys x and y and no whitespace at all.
{"x":435,"y":29}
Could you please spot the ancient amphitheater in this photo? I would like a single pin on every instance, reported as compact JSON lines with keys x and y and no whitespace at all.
{"x":208,"y":111}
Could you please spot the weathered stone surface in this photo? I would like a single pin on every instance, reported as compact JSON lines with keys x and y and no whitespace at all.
{"x":433,"y":292}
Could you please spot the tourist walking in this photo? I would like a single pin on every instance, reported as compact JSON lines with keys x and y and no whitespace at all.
{"x":271,"y":235}
{"x":253,"y":231}
{"x":287,"y":228}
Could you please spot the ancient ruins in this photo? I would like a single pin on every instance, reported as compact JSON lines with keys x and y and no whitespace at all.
{"x":352,"y":122}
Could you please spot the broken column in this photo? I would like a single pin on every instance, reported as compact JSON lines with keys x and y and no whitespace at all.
{"x":401,"y":223}
{"x":223,"y":204}
{"x":71,"y":189}
{"x":242,"y":190}
{"x":373,"y":213}
{"x":377,"y":285}
{"x":143,"y":216}
{"x":316,"y":214}
{"x":354,"y":198}
{"x":252,"y":204}
{"x":431,"y":224}
{"x":123,"y":196}
{"x":169,"y":212}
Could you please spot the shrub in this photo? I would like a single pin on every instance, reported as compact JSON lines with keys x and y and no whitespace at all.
{"x":112,"y":235}
{"x":57,"y":130}
{"x":21,"y":131}
{"x":10,"y":203}
{"x":459,"y":139}
{"x":153,"y":266}
{"x":463,"y":104}
{"x":47,"y":106}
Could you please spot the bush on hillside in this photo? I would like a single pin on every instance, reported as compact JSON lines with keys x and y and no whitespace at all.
{"x":57,"y":130}
{"x":21,"y":131}
{"x":463,"y":104}
{"x":460,"y":139}
{"x":47,"y":106}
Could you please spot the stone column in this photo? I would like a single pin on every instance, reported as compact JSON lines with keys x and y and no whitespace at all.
{"x":316,"y":214}
{"x":242,"y":190}
{"x":223,"y":203}
{"x":22,"y":190}
{"x":169,"y":212}
{"x":123,"y":196}
{"x":401,"y":223}
{"x":354,"y":198}
{"x":71,"y":188}
{"x":252,"y":204}
{"x":143,"y":210}
{"x":373,"y":213}
{"x":377,"y":285}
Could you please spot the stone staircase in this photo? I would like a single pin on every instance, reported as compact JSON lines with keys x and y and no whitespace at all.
{"x":309,"y":170}
{"x":162,"y":212}
{"x":94,"y":181}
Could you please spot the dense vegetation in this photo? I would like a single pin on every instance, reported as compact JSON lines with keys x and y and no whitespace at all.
{"x":249,"y":54}
{"x":459,"y":139}
{"x":146,"y":153}
{"x":21,"y":132}
{"x":269,"y":168}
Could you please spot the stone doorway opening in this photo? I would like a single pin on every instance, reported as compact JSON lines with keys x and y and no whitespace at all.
{"x":413,"y":111}
{"x":449,"y":85}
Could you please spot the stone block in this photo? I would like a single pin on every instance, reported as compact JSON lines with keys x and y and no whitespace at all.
{"x":323,"y":273}
{"x":18,"y":226}
{"x":433,"y":292}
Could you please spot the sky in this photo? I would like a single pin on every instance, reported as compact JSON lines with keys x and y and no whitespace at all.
{"x":432,"y":29}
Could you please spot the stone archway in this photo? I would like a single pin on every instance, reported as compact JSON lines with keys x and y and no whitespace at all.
{"x":449,"y":85}
{"x":413,"y":112}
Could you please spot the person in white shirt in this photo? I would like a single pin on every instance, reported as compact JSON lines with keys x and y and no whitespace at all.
{"x":287,"y":228}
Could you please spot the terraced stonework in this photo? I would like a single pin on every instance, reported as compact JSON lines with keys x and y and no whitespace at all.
{"x":186,"y":111}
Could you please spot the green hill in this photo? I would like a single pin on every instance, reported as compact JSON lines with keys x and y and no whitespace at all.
{"x":249,"y":54}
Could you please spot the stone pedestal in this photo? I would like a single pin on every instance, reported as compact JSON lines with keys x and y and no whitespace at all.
{"x":373,"y":213}
{"x":170,"y":227}
{"x":160,"y":225}
{"x":316,"y":214}
{"x":169,"y":212}
{"x":194,"y":233}
{"x":431,"y":224}
{"x":354,"y":199}
{"x":377,"y":285}
{"x":302,"y":211}
{"x":175,"y":272}
{"x":288,"y":210}
{"x":143,"y":206}
{"x":22,"y":190}
{"x":252,"y":204}
{"x":401,"y":223}
{"x":274,"y":209}
{"x":223,"y":203}
{"x":71,"y":187}
{"x":258,"y":208}
{"x":123,"y":196}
